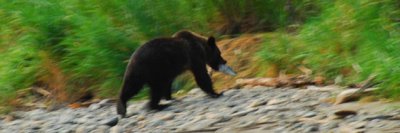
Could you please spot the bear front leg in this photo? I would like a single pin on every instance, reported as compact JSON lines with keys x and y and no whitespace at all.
{"x":203,"y":80}
{"x":168,"y":92}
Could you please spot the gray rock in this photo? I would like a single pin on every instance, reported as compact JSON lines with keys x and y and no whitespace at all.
{"x":358,"y":124}
{"x":330,"y":125}
{"x":224,"y":118}
{"x":236,"y":97}
{"x":312,"y":128}
{"x":129,"y":124}
{"x":81,"y":129}
{"x":381,"y":117}
{"x":297,"y":125}
{"x":116,"y":129}
{"x":257,"y":103}
{"x":110,"y":121}
{"x":195,"y":91}
{"x":280,"y":115}
{"x":66,"y":130}
{"x":264,"y":119}
{"x":81,"y":120}
{"x":270,"y":108}
{"x":310,"y":114}
{"x":320,"y":117}
{"x":347,"y":129}
{"x":245,"y":123}
{"x":168,"y":116}
{"x":94,"y":106}
{"x":226,"y":130}
{"x":101,"y":129}
{"x":104,"y":102}
{"x":66,"y":118}
{"x":156,"y":123}
{"x":202,"y":124}
{"x":36,"y":125}
{"x":245,"y":112}
{"x":231,"y":104}
{"x":231,"y":92}
{"x":279,"y":129}
{"x":15,"y":122}
{"x":276,"y":101}
{"x":36,"y":112}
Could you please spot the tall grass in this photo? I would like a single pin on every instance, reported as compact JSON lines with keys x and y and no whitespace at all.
{"x":71,"y":47}
{"x":353,"y":39}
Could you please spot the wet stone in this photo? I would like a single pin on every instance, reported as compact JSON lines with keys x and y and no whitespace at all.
{"x":310,"y":114}
{"x":312,"y":129}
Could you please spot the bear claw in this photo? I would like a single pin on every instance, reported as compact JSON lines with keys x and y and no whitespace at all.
{"x":215,"y":95}
{"x":159,"y":107}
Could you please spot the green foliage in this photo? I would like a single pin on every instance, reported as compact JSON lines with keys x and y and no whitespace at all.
{"x":264,"y":15}
{"x":360,"y":36}
{"x":89,"y":47}
{"x":163,"y":18}
{"x":88,"y":42}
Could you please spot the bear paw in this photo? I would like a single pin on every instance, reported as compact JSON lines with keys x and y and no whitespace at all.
{"x":215,"y":95}
{"x":159,"y":107}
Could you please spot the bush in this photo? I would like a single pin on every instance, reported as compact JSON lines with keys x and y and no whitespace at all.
{"x":62,"y":48}
{"x":71,"y":47}
{"x":353,"y":39}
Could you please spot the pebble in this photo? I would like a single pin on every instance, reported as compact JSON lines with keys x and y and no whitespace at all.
{"x":156,"y":123}
{"x":110,"y":121}
{"x":94,"y":106}
{"x":310,"y":114}
{"x":358,"y":124}
{"x":195,"y":91}
{"x":104,"y":102}
{"x":66,"y":118}
{"x":245,"y":112}
{"x":330,"y":125}
{"x":116,"y":129}
{"x":231,"y":92}
{"x":101,"y":129}
{"x":168,"y":116}
{"x":254,"y":110}
{"x":276,"y":101}
{"x":311,"y":129}
{"x":81,"y":129}
{"x":257,"y":103}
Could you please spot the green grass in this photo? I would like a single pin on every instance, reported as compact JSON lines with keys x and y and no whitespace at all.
{"x":75,"y":46}
{"x":350,"y":38}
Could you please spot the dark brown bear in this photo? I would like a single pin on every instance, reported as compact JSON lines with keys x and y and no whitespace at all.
{"x":159,"y":61}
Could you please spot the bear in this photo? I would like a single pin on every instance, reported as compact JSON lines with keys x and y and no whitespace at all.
{"x":159,"y":61}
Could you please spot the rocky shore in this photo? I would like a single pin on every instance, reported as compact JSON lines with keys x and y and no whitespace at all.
{"x":256,"y":109}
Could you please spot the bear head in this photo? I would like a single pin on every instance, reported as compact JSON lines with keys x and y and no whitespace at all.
{"x":214,"y":58}
{"x":212,"y":52}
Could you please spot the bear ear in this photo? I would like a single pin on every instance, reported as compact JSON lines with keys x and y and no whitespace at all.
{"x":211,"y":41}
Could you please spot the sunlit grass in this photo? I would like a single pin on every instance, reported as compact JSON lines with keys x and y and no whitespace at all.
{"x":351,"y":39}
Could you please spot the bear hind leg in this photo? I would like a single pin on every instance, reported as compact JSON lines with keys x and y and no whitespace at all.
{"x":129,"y":89}
{"x":158,"y":91}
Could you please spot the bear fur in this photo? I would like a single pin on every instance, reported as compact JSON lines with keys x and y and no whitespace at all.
{"x":158,"y":62}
